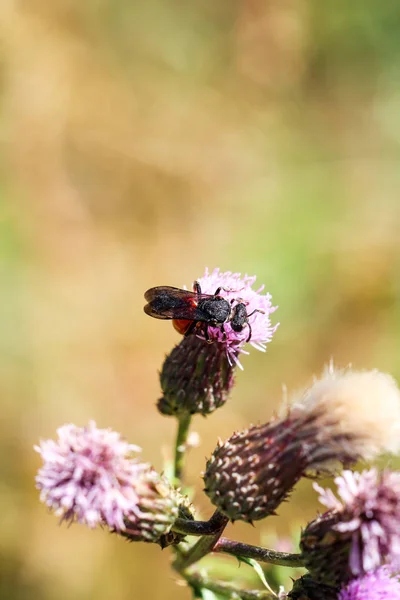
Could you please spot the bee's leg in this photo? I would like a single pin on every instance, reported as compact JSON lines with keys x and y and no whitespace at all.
{"x":196,"y":287}
{"x":256,"y":310}
{"x":223,"y":332}
{"x":218,"y":290}
{"x":250,"y":331}
{"x":206,"y":334}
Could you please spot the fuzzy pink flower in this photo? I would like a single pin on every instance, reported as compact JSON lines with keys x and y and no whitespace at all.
{"x":369,"y":512}
{"x":89,"y":475}
{"x":237,"y":289}
{"x":378,"y":585}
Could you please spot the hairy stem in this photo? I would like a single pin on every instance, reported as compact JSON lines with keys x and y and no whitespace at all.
{"x":180,"y":445}
{"x":205,"y":545}
{"x":198,"y":581}
{"x":284,"y":559}
{"x":199,"y":528}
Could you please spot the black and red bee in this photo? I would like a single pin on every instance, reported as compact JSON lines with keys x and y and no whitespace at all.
{"x":194,"y":311}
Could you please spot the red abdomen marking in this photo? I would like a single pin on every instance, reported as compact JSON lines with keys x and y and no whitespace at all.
{"x":181,"y":325}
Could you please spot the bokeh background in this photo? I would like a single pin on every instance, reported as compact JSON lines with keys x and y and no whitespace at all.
{"x":141,"y":142}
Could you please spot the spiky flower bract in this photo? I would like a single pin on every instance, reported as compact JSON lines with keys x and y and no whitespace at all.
{"x":91,"y":476}
{"x":377,"y":585}
{"x":250,"y":474}
{"x":368,"y":517}
{"x":237,"y":289}
{"x":305,"y":588}
{"x":196,"y":377}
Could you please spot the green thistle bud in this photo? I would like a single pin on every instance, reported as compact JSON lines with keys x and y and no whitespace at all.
{"x":326,"y":551}
{"x":196,"y":377}
{"x":157,"y":509}
{"x":306,"y":588}
{"x":186,"y":511}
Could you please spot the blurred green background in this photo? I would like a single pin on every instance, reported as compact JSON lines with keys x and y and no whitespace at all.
{"x":143,"y":141}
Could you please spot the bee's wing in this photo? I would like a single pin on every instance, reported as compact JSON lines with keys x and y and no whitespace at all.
{"x":165,"y":302}
{"x":162,"y":291}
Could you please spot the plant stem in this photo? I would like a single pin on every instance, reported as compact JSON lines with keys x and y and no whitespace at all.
{"x":205,"y":545}
{"x":180,"y":446}
{"x":261,"y":554}
{"x":199,"y":528}
{"x":199,"y":581}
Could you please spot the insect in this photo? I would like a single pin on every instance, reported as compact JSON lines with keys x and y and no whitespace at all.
{"x":194,"y":311}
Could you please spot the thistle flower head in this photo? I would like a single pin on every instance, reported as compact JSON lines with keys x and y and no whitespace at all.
{"x":363,"y":406}
{"x":250,"y":474}
{"x":89,"y":475}
{"x":377,"y":585}
{"x":239,"y":290}
{"x":368,"y":515}
{"x":195,"y":378}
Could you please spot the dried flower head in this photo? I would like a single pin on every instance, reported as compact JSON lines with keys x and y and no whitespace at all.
{"x":362,"y":405}
{"x":368,"y":516}
{"x":90,"y":475}
{"x":251,"y":473}
{"x":238,"y":290}
{"x":378,"y":585}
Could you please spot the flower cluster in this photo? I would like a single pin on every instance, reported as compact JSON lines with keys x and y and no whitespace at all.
{"x":351,"y":551}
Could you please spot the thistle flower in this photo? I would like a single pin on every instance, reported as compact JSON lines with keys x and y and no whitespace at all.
{"x":359,"y":533}
{"x":237,"y":289}
{"x":377,"y":585}
{"x":363,"y":406}
{"x":251,"y":473}
{"x":90,"y":476}
{"x":197,"y":377}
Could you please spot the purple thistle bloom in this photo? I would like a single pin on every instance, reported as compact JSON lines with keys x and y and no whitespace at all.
{"x":369,"y":512}
{"x":89,"y":475}
{"x":240,"y":290}
{"x":377,"y":585}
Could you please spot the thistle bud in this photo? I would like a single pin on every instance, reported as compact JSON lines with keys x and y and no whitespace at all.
{"x":358,"y":534}
{"x":156,"y":510}
{"x":335,"y":421}
{"x":325,"y":551}
{"x":306,"y":588}
{"x":195,"y":378}
{"x":185,"y":511}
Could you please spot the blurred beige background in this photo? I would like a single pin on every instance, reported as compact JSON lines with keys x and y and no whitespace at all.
{"x":142,"y":142}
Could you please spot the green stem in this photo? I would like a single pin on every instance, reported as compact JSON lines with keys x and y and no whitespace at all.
{"x":180,"y":446}
{"x":198,"y":581}
{"x":284,"y":559}
{"x":205,"y":545}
